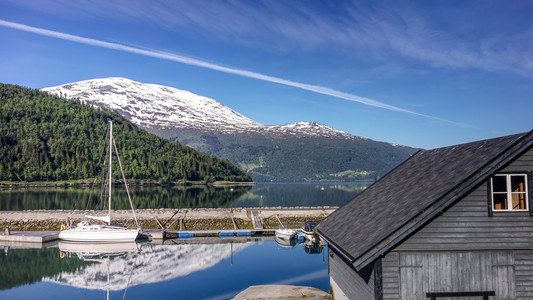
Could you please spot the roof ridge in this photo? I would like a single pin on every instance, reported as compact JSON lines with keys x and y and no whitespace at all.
{"x":520,"y":135}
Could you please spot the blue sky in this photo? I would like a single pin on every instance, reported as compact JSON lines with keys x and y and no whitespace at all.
{"x":418,"y":73}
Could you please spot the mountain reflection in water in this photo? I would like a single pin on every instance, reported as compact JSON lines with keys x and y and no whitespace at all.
{"x":140,"y":265}
{"x":195,"y":268}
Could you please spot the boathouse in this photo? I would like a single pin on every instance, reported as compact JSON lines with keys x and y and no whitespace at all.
{"x":446,"y":223}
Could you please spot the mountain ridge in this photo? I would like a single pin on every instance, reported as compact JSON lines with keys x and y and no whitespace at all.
{"x":157,"y":107}
{"x":299,"y":151}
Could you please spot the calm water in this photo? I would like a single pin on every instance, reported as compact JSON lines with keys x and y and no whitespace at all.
{"x":208,"y":268}
{"x":151,"y":197}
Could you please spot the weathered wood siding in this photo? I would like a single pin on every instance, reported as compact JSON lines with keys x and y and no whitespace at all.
{"x":521,"y":164}
{"x":390,"y":266}
{"x":352,"y":284}
{"x":524,"y":274}
{"x":468,"y":226}
{"x":508,"y":273}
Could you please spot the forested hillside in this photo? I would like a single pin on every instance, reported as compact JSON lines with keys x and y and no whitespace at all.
{"x":47,"y":138}
{"x":289,"y":158}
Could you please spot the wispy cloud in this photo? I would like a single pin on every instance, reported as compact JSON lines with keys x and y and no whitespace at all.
{"x":208,"y":65}
{"x":439,"y":36}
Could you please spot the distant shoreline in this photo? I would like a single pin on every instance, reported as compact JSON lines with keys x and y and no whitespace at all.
{"x":87,"y":183}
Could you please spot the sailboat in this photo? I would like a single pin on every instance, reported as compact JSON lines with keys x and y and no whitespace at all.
{"x":86,"y":231}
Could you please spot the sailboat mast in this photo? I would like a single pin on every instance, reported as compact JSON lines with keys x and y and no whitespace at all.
{"x":110,"y":168}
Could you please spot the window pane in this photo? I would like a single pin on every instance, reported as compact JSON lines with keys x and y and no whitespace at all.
{"x":518,"y":184}
{"x":519,"y":201}
{"x":499,"y":184}
{"x":500,"y":201}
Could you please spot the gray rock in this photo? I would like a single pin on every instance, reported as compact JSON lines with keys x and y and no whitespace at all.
{"x":281,"y":292}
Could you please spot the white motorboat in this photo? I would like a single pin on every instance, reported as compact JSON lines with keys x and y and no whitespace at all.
{"x":85,"y":231}
{"x":285,"y":233}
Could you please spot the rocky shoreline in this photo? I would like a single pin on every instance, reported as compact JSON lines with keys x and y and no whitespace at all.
{"x":191,"y":219}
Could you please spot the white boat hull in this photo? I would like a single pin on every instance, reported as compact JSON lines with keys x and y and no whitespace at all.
{"x":104,"y":234}
{"x":285,"y":233}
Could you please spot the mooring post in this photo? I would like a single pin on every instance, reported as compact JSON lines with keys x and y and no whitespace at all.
{"x":234,"y":225}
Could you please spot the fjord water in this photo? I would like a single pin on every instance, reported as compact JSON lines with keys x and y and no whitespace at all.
{"x":208,"y":268}
{"x":154,"y":197}
{"x":211,"y":268}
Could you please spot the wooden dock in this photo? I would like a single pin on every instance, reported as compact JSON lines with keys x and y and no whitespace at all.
{"x":30,"y":236}
{"x":182,"y":234}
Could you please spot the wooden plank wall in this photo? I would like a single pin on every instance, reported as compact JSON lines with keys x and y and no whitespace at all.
{"x":390,"y":266}
{"x":524,"y":274}
{"x":521,"y":164}
{"x":457,"y":272}
{"x":353,"y":285}
{"x":509,"y":273}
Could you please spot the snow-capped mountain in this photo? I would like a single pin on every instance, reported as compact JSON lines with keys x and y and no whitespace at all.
{"x":300,"y":151}
{"x":156,"y":107}
{"x":153,"y":106}
{"x":308,"y":128}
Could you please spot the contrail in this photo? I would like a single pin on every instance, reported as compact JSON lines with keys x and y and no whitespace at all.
{"x":207,"y":65}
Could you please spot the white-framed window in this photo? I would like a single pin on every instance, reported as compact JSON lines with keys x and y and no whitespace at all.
{"x":509,"y":192}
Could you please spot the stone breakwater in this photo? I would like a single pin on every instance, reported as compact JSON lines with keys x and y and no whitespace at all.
{"x":191,"y":219}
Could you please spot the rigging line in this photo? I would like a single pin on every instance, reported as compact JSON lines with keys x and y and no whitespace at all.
{"x":125,"y":184}
{"x":104,"y":168}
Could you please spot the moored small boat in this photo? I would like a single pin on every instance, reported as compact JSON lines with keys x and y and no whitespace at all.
{"x":308,"y":231}
{"x":285,"y":233}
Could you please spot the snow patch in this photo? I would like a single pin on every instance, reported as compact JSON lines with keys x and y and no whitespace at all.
{"x":153,"y":106}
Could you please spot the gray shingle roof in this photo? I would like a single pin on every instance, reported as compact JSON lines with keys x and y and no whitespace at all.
{"x":394,"y":205}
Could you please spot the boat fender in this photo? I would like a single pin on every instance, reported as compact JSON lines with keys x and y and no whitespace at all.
{"x":63,"y":227}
